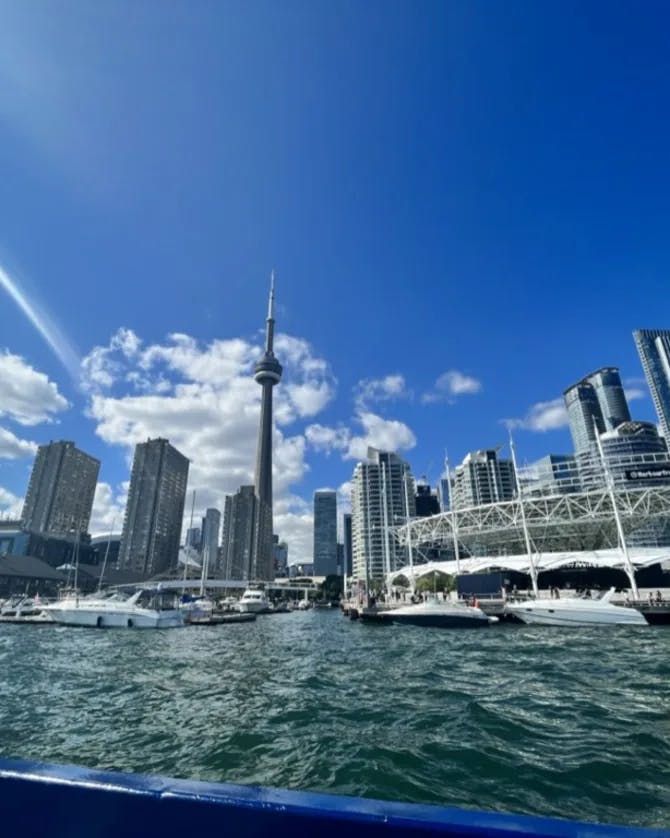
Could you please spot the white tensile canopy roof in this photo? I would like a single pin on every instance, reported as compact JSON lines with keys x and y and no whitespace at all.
{"x":613,"y":558}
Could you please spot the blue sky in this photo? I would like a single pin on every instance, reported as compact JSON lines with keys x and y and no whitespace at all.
{"x":463,"y":192}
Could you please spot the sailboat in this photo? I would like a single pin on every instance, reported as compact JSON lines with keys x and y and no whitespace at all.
{"x":577,"y":610}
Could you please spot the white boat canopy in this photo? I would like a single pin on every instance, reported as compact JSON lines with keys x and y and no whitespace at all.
{"x":613,"y":558}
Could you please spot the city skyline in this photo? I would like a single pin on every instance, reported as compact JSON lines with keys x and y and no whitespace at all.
{"x":445,"y":266}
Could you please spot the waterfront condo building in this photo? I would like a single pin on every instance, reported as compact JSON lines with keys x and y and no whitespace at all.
{"x":209,"y":539}
{"x":382,"y":496}
{"x":426,"y":501}
{"x":597,"y":402}
{"x":280,"y":557}
{"x":155,"y":508}
{"x":348,"y":544}
{"x":239,"y":532}
{"x":481,"y":479}
{"x":653,"y":346}
{"x":325,"y":532}
{"x":61,"y":491}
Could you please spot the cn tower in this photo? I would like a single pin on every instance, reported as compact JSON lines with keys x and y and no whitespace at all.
{"x":267,"y":373}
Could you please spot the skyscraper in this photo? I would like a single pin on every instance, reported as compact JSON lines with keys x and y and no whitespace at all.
{"x":280,"y":557}
{"x":482,"y":479}
{"x":611,"y":397}
{"x":267,"y":373}
{"x":382,"y":496}
{"x":239,"y":530}
{"x":426,"y":501}
{"x":653,"y":346}
{"x":155,"y":508}
{"x":209,"y":539}
{"x":348,"y":544}
{"x":597,"y":401}
{"x":61,"y":490}
{"x":325,"y":532}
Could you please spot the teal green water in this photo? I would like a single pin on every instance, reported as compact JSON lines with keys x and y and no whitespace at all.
{"x":567,"y":722}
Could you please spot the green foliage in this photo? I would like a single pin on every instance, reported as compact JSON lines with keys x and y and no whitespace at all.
{"x":332,"y":587}
{"x":435,"y":581}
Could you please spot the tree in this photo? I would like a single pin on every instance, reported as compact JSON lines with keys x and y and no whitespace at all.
{"x":332,"y":587}
{"x":435,"y":581}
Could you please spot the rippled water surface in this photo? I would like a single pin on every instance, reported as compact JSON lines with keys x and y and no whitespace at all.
{"x":568,"y":722}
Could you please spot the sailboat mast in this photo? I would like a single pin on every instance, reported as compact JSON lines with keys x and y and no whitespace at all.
{"x":454,"y":520}
{"x":609,"y":480}
{"x":409,"y":536}
{"x":186,"y":550}
{"x":387,"y":546}
{"x":104,"y":561}
{"x":531,"y":559}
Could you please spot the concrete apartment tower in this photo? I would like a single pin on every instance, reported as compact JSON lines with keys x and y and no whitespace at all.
{"x":325,"y":532}
{"x":382,"y":496}
{"x":653,"y":346}
{"x":155,"y":508}
{"x":239,"y":533}
{"x":267,"y":373}
{"x":61,"y":490}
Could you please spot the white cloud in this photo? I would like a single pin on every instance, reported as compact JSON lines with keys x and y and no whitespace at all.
{"x":13,"y":448}
{"x":451,"y":384}
{"x":323,"y":438}
{"x":205,"y":401}
{"x":99,"y":368}
{"x":543,"y":416}
{"x":635,"y":387}
{"x":378,"y":432}
{"x":11,"y":506}
{"x":108,"y":509}
{"x":390,"y":387}
{"x":28,"y":397}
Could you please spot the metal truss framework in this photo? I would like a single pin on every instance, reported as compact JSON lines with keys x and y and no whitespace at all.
{"x":569,"y":521}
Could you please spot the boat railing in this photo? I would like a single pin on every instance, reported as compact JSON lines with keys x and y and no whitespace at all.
{"x":60,"y":801}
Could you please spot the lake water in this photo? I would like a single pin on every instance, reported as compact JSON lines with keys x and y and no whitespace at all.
{"x":567,"y":722}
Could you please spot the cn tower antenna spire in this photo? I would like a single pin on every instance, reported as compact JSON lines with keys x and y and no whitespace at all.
{"x":271,"y":303}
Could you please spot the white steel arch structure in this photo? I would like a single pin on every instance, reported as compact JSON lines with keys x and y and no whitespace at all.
{"x":576,"y":521}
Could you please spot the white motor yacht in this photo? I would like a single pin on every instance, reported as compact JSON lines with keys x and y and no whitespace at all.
{"x":253,"y":602}
{"x":144,"y":609}
{"x":575,"y":611}
{"x":436,"y":613}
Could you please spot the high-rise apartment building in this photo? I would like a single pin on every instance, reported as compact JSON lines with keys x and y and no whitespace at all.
{"x":595,"y":404}
{"x":280,"y":557}
{"x":554,"y":474}
{"x":209,"y":539}
{"x":193,"y":538}
{"x":653,"y":346}
{"x":348,"y":544}
{"x":635,"y":454}
{"x":426,"y":501}
{"x":382,"y":496}
{"x":61,"y":490}
{"x":325,"y":532}
{"x":481,"y":479}
{"x":155,"y":508}
{"x":239,"y":532}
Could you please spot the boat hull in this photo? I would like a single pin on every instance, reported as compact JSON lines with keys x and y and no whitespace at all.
{"x":92,"y":618}
{"x":436,"y":620}
{"x":563,"y":613}
{"x":430,"y":614}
